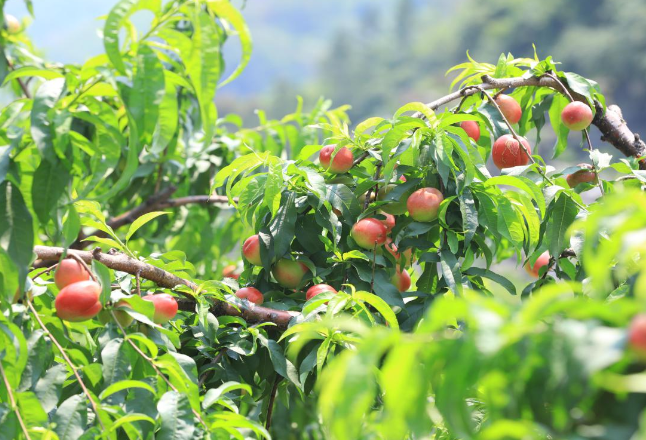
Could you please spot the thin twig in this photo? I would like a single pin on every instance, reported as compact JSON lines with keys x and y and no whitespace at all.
{"x":13,"y":403}
{"x":272,"y":398}
{"x":68,"y":361}
{"x":82,"y":263}
{"x":215,"y":361}
{"x":44,"y":272}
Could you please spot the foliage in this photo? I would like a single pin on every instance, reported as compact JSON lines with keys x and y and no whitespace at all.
{"x":439,"y":361}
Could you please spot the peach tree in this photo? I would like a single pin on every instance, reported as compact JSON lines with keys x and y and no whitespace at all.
{"x":166,"y":272}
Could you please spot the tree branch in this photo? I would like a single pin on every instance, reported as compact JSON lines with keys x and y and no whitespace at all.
{"x":123,"y":263}
{"x":611,"y":125}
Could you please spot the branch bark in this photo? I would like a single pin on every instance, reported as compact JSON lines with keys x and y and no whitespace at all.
{"x":123,"y":263}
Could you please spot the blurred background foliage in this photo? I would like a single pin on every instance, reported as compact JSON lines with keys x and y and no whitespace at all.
{"x":378,"y":55}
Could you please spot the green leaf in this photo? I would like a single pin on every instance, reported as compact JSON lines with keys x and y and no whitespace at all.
{"x":469,"y":216}
{"x":379,"y":304}
{"x":50,"y":183}
{"x":142,"y":221}
{"x":283,"y":225}
{"x":45,"y":99}
{"x":204,"y":69}
{"x":71,"y":226}
{"x":125,"y":385}
{"x":486,"y":273}
{"x":224,"y":10}
{"x":32,"y":71}
{"x":168,"y":119}
{"x":113,"y":23}
{"x":147,"y":93}
{"x":522,"y":183}
{"x":16,"y":228}
{"x":177,"y":421}
{"x":558,"y":104}
{"x":31,"y":410}
{"x":71,"y":418}
{"x":215,"y":395}
{"x":451,"y":271}
{"x":563,"y":215}
{"x":103,"y":273}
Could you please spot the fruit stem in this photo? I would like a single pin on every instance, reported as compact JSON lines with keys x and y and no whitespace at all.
{"x":84,"y":264}
{"x":68,"y":361}
{"x":12,"y":400}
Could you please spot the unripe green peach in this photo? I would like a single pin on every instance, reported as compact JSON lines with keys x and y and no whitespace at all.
{"x":289,"y":273}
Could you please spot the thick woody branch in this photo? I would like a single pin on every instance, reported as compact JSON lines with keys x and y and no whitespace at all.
{"x":123,"y":263}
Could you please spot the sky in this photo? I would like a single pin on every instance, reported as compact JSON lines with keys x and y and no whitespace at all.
{"x":290,"y":36}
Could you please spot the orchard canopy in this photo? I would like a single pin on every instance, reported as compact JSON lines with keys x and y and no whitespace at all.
{"x":168,"y":273}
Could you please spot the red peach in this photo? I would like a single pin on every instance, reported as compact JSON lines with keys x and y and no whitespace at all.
{"x":165,"y":307}
{"x":78,"y":301}
{"x":342,"y":161}
{"x":230,"y":272}
{"x":424,"y":204}
{"x":582,"y":176}
{"x":637,"y":333}
{"x":507,"y":153}
{"x":70,"y":271}
{"x":472,"y":129}
{"x":369,"y":232}
{"x":577,"y":116}
{"x":251,"y":294}
{"x":510,"y":108}
{"x":317,"y":289}
{"x":251,"y":250}
{"x":401,"y":280}
{"x":122,"y":316}
{"x":541,"y":261}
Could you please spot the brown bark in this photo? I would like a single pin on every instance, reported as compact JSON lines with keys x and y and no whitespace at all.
{"x":123,"y":263}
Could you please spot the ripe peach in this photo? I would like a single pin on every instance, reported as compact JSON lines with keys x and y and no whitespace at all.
{"x":251,"y":294}
{"x":289,"y":273}
{"x":507,"y":152}
{"x":424,"y":204}
{"x":541,"y":261}
{"x":637,"y":333}
{"x":472,"y":129}
{"x":368,"y":232}
{"x":510,"y":108}
{"x":78,"y":301}
{"x":251,"y":250}
{"x":577,"y":116}
{"x":318,"y":288}
{"x":342,"y":161}
{"x":165,"y":307}
{"x":582,"y":176}
{"x":70,"y":271}
{"x":401,"y":280}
